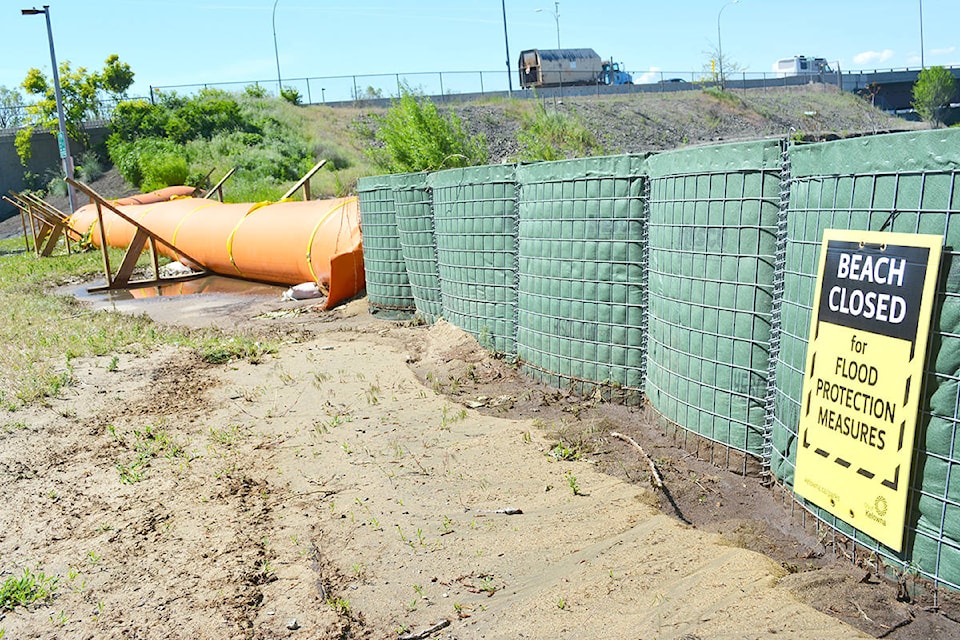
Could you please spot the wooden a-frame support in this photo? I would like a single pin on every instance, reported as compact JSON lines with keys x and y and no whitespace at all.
{"x":141,"y":238}
{"x":47,"y":223}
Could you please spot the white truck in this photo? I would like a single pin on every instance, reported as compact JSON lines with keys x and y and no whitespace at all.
{"x":801,"y":66}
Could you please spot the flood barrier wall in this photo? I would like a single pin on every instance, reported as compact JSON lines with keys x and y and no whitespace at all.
{"x":687,"y":278}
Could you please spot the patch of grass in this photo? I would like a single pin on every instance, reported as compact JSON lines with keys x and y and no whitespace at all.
{"x":555,"y":135}
{"x":50,"y":330}
{"x":27,"y":589}
{"x":150,"y":443}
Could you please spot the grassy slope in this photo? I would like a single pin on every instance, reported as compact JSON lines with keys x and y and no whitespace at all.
{"x":622,"y":124}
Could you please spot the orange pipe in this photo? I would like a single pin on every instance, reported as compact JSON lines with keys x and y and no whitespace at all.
{"x":282,"y":242}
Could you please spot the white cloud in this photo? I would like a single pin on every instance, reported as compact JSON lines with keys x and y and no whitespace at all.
{"x":652,"y":75}
{"x":867,"y":57}
{"x":943,"y":51}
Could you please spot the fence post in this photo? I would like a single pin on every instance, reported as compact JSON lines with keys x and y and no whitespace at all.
{"x":356,"y":94}
{"x":309,"y":98}
{"x":442,"y":95}
{"x":481,"y":82}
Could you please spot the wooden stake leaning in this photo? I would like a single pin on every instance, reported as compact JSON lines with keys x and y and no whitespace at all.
{"x":304,"y":182}
{"x":218,"y":188}
{"x":23,"y":218}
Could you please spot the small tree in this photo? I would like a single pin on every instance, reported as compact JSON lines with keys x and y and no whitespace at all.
{"x":934,"y":89}
{"x":417,"y":137}
{"x":11,"y":108}
{"x":83,"y":94}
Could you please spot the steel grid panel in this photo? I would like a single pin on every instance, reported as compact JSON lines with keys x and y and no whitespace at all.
{"x":580,"y":310}
{"x":712,"y":247}
{"x":418,"y":244}
{"x":476,"y":234}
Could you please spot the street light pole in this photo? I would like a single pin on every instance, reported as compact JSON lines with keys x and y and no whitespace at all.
{"x":503,"y":5}
{"x":719,"y":44}
{"x":922,"y":67}
{"x":63,"y":140}
{"x":556,"y":17}
{"x":276,"y":50}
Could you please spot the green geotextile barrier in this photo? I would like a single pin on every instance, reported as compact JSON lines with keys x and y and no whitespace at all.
{"x":418,"y":244}
{"x":711,"y":245}
{"x":580,"y":320}
{"x":475,"y":223}
{"x":908,"y":183}
{"x":388,"y":287}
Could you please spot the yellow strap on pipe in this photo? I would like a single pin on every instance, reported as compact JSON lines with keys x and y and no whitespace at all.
{"x":313,"y":234}
{"x":176,"y":229}
{"x":236,"y":228}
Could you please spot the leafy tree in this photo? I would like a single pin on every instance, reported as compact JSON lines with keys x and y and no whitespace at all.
{"x":934,"y":89}
{"x":83,"y":93}
{"x":11,"y":108}
{"x":717,"y":61}
{"x":417,"y":137}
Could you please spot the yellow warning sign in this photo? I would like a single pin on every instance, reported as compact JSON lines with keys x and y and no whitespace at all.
{"x":862,"y":382}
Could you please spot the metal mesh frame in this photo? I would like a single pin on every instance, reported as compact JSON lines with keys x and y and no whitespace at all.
{"x":712,"y":245}
{"x":919,"y":201}
{"x":475,"y":224}
{"x":415,"y":226}
{"x":388,"y":287}
{"x":581,"y":228}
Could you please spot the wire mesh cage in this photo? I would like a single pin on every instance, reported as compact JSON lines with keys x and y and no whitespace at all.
{"x":475,"y":223}
{"x":581,"y":254}
{"x":418,"y":243}
{"x":712,"y":244}
{"x":388,"y":287}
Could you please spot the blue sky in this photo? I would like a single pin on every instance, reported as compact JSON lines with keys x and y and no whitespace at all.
{"x":176,"y":42}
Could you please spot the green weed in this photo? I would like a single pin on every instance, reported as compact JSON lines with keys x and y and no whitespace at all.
{"x":28,"y":588}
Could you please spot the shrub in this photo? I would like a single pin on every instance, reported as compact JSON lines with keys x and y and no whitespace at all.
{"x":133,"y":159}
{"x":417,"y":137}
{"x":57,"y":185}
{"x":291,"y":95}
{"x":164,"y":170}
{"x":255,"y":91}
{"x":552,"y":135}
{"x":89,"y":168}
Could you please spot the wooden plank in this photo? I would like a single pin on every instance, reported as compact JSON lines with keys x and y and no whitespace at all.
{"x":304,"y":182}
{"x":130,"y":258}
{"x":218,"y":188}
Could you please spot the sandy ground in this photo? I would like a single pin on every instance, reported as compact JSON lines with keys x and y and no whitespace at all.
{"x":378,"y":480}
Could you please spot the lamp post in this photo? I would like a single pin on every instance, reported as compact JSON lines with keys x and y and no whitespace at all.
{"x":64,"y":142}
{"x":719,"y":45}
{"x":503,"y":5}
{"x":922,"y":67}
{"x":276,"y":50}
{"x":556,"y":17}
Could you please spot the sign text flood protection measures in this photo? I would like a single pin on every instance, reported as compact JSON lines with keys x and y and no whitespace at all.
{"x":861,"y":387}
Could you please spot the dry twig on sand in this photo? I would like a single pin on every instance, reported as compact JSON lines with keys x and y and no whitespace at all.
{"x":654,"y":474}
